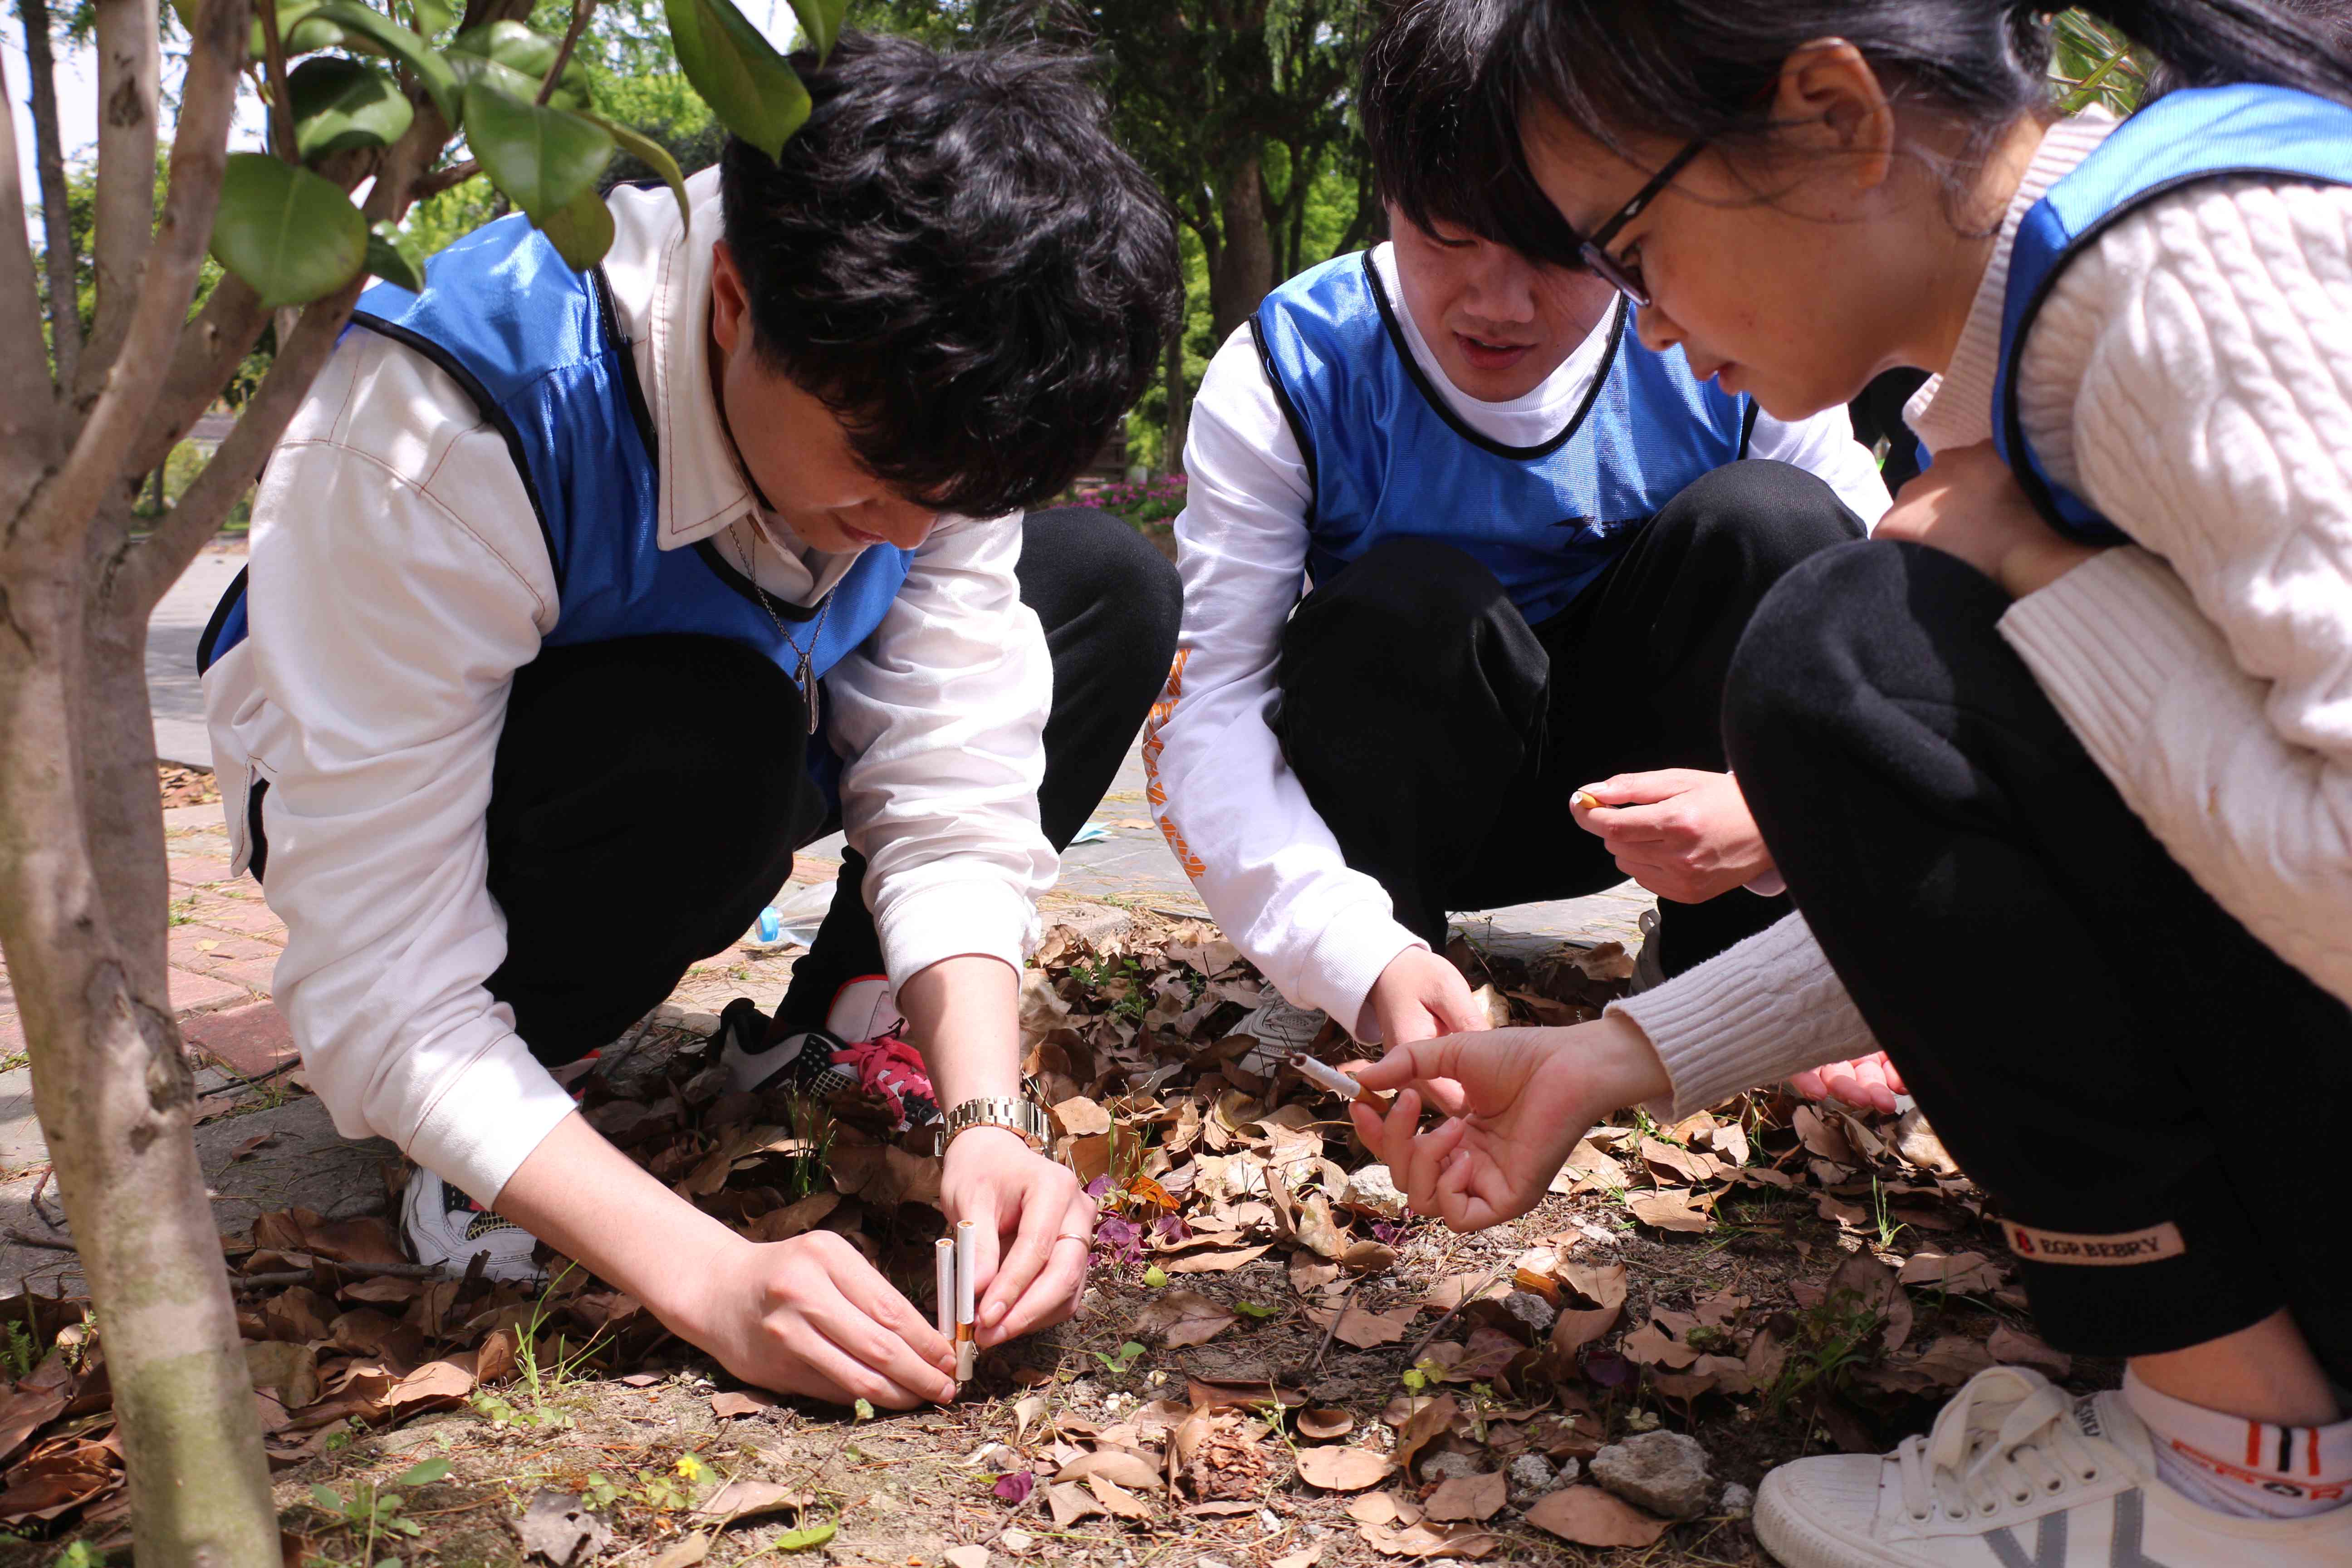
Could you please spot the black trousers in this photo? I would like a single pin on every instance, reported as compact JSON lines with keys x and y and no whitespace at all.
{"x":2102,"y":1047}
{"x":1438,"y":735}
{"x":649,"y":793}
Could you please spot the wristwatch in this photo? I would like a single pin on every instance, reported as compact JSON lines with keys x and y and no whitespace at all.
{"x":1015,"y":1115}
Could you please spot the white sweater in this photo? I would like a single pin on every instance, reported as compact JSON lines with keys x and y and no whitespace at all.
{"x":1237,"y":817}
{"x":399,"y":579}
{"x":2190,"y":376}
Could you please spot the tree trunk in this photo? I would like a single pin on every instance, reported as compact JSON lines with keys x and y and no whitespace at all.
{"x":1180,"y":405}
{"x":86,"y":951}
{"x":1242,"y":271}
{"x":57,"y":227}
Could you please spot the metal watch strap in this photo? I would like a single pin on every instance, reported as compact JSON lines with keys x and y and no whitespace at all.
{"x":1015,"y":1115}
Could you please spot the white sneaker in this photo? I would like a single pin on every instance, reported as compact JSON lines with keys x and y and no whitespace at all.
{"x":1281,"y":1030}
{"x":2018,"y":1473}
{"x":443,"y":1226}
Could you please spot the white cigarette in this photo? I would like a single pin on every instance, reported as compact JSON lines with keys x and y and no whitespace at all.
{"x":944,"y":1251}
{"x":1341,"y":1084}
{"x":966,"y":1267}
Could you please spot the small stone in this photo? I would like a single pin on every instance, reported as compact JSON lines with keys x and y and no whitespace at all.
{"x":1665,"y":1472}
{"x":1374,"y":1191}
{"x":1738,"y":1501}
{"x":703,"y":1024}
{"x":1569,"y":1470}
{"x":1530,"y":1470}
{"x":1449,"y":1467}
{"x":1210,"y":1562}
{"x":1532,"y":1310}
{"x":1016,"y":1542}
{"x":1267,"y":1520}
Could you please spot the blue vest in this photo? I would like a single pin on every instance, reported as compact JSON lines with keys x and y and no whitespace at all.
{"x":1390,"y":459}
{"x":2200,"y":133}
{"x":538,"y":348}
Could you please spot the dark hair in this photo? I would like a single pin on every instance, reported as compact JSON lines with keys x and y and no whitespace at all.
{"x":954,"y":255}
{"x":1706,"y":69}
{"x":1444,"y":151}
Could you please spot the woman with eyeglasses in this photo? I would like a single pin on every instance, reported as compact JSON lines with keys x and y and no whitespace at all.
{"x":2058,"y":766}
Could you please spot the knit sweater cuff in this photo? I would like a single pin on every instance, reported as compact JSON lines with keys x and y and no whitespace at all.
{"x":1752,"y":1014}
{"x":2107,"y":642}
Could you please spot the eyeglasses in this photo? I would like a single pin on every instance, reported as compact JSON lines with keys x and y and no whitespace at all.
{"x":1625,"y":277}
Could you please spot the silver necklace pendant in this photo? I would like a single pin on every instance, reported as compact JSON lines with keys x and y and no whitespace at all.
{"x":806,"y":676}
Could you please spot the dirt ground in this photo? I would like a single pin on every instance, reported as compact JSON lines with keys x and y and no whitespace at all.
{"x":1273,"y":1367}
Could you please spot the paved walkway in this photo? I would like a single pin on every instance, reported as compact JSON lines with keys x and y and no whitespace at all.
{"x":273,"y":1147}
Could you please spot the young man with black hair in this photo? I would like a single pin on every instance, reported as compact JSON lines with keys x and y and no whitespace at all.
{"x":578,"y":601}
{"x":1529,"y":545}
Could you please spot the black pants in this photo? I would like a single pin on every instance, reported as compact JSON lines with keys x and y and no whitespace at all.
{"x":2102,"y":1047}
{"x":649,"y":793}
{"x":1440,"y":736}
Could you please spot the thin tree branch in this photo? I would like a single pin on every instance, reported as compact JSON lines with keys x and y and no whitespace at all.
{"x":29,"y":415}
{"x":447,"y":179}
{"x":281,"y":100}
{"x":207,"y":103}
{"x":56,"y":224}
{"x":580,"y":10}
{"x":130,"y":66}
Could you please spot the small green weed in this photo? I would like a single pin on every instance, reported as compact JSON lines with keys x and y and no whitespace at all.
{"x":22,"y":1351}
{"x":1126,"y":1357}
{"x":373,"y":1511}
{"x":79,"y":1554}
{"x":811,"y":1169}
{"x":1888,"y":1226}
{"x":1831,"y":1339}
{"x":1117,"y":981}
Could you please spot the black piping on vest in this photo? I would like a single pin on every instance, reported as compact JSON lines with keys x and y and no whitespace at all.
{"x":1445,"y":412}
{"x":1748,"y":425}
{"x":1282,"y":398}
{"x":228,"y":602}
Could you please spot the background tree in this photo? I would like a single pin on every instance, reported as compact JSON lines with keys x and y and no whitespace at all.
{"x":84,"y":415}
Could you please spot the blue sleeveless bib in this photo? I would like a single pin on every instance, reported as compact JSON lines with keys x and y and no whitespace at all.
{"x":1390,"y":459}
{"x":538,"y":349}
{"x":2202,"y":133}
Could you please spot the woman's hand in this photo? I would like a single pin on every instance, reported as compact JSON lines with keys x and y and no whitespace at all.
{"x":811,"y":1316}
{"x":1683,"y":834}
{"x":1035,"y":1231}
{"x":1528,"y":1095}
{"x":1969,"y":505}
{"x":1869,"y":1083}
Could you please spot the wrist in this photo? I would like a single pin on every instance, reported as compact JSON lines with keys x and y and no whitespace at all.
{"x":1625,"y":1067}
{"x":2030,"y":568}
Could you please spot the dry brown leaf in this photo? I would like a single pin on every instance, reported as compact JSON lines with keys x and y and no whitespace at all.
{"x":1591,"y":1517}
{"x":1306,"y":1558}
{"x":1117,"y":1499}
{"x":1342,"y":1469}
{"x":1668,"y":1208}
{"x":1477,"y":1498}
{"x":1961,"y":1274}
{"x":1428,"y":1540}
{"x":1215,"y":1262}
{"x":689,"y":1551}
{"x":1183,"y":1318}
{"x":1070,"y":1504}
{"x":2014,"y":1347}
{"x":973,"y":1556}
{"x":1029,"y":1407}
{"x":1379,"y":1507}
{"x":1368,"y":1257}
{"x":1426,"y":1424}
{"x":1366,"y":1329}
{"x":794,"y":1219}
{"x":740,"y":1402}
{"x":1082,"y":1117}
{"x":1129,"y":1469}
{"x":1324,"y":1422}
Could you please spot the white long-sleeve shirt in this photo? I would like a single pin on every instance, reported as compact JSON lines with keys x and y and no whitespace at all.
{"x":2190,"y":376}
{"x":398,"y":579}
{"x":1238,"y":818}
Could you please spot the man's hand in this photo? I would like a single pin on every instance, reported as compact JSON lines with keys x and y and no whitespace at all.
{"x":1867,"y":1083}
{"x":1529,"y":1095}
{"x":1035,"y":1231}
{"x":1969,"y":505}
{"x":812,"y":1316}
{"x":1419,"y":997}
{"x":1684,"y":835}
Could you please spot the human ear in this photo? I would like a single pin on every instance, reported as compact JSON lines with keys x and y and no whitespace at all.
{"x":1829,"y":101}
{"x":728,"y":302}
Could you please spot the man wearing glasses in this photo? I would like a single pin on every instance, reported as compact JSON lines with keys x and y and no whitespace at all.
{"x":1529,"y":546}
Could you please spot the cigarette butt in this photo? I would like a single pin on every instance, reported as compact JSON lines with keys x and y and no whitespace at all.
{"x":1342,"y":1083}
{"x":943,"y":1252}
{"x":1587,"y":799}
{"x":967,"y":1264}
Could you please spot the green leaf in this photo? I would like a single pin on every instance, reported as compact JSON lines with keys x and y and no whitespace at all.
{"x":802,"y":1540}
{"x":654,"y":155}
{"x":332,"y":1501}
{"x":481,"y":70}
{"x":341,"y":103}
{"x":519,"y":49}
{"x":391,"y":256}
{"x":820,"y":22}
{"x":543,"y":158}
{"x":1255,"y":1310}
{"x":290,"y":233}
{"x":402,"y":45}
{"x":738,"y":72}
{"x":425,"y":1474}
{"x":432,"y":16}
{"x":296,"y":31}
{"x":865,"y":1410}
{"x":1155,"y":1276}
{"x":582,"y":231}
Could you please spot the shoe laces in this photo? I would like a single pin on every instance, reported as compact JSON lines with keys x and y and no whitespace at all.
{"x":885,"y":1063}
{"x":2006,"y":1437}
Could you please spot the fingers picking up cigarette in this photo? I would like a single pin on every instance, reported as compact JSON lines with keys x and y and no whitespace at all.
{"x":1343,"y":1084}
